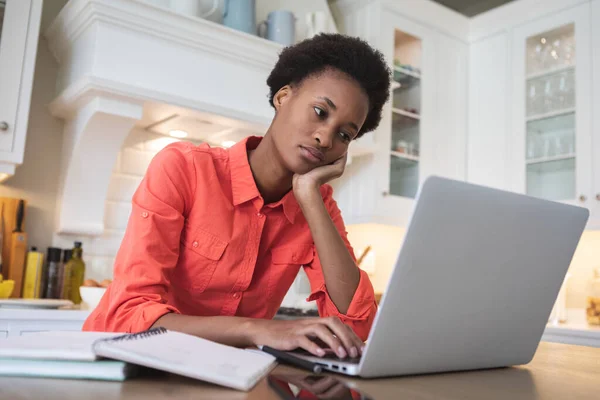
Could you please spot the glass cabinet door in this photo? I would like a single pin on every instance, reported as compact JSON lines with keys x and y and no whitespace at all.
{"x":406,"y":115}
{"x":553,"y":116}
{"x":550,"y":114}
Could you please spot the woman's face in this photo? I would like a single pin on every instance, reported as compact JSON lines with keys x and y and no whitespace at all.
{"x":316,"y":120}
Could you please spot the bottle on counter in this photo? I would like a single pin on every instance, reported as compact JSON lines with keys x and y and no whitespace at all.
{"x":593,"y":300}
{"x":76,"y":266}
{"x":34,"y":273}
{"x":52,"y":287}
{"x":65,"y":275}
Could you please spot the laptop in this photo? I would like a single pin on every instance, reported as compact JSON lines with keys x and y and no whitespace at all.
{"x":473,"y":285}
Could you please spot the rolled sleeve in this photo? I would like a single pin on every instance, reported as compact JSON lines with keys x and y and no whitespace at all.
{"x":149,"y":251}
{"x":363,"y":307}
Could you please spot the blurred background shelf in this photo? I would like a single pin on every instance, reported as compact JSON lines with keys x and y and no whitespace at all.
{"x":550,"y":71}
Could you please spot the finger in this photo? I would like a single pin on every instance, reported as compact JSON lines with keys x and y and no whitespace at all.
{"x":322,"y":332}
{"x":323,"y":385}
{"x":337,"y":391}
{"x":310,"y":346}
{"x":347,"y":337}
{"x":358,"y":341}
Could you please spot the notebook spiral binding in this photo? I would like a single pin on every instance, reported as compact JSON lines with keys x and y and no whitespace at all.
{"x":139,"y":335}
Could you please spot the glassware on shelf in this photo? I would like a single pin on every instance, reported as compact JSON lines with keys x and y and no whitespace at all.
{"x":553,"y":49}
{"x":550,"y":93}
{"x":592,"y":310}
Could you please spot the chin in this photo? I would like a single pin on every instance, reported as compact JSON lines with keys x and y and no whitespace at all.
{"x":300,"y":167}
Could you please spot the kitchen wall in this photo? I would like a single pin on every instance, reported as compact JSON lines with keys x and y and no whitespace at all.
{"x":37,"y":179}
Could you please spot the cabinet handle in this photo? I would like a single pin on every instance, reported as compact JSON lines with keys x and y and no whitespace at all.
{"x":3,"y":126}
{"x":598,"y":197}
{"x":582,"y":198}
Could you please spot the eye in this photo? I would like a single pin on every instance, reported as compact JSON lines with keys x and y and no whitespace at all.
{"x":320,"y":112}
{"x":345,"y":137}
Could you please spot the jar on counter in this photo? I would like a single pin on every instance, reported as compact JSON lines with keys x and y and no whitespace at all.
{"x":593,"y":300}
{"x":559,"y":311}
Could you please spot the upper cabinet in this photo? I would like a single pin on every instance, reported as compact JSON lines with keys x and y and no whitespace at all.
{"x":19,"y":26}
{"x":534,"y":88}
{"x":552,"y":107}
{"x":595,"y":194}
{"x":423,"y":128}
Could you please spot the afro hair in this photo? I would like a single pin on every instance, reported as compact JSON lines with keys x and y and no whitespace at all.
{"x":350,"y":55}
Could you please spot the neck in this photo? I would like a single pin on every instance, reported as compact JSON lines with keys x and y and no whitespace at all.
{"x":272,"y":179}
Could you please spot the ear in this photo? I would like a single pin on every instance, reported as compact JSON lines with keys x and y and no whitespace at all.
{"x":282,"y":96}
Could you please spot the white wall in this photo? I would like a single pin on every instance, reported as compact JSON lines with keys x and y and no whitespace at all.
{"x":37,"y":179}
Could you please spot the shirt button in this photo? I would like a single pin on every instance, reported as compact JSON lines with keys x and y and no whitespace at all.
{"x":259,"y":215}
{"x":236,"y":295}
{"x":195,"y":244}
{"x":144,"y":214}
{"x":294,"y":257}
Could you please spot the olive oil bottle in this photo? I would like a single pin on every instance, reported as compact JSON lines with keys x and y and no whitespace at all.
{"x":76,"y":268}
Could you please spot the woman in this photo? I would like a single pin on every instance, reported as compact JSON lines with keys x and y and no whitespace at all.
{"x":216,"y":237}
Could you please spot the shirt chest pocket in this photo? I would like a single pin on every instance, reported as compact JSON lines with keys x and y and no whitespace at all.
{"x":286,"y":262}
{"x":201,"y":253}
{"x":299,"y":254}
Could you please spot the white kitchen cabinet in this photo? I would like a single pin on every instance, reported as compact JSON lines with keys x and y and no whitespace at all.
{"x":18,"y":46}
{"x":595,"y":195}
{"x":550,"y":153}
{"x":489,"y":91}
{"x":423,"y":129}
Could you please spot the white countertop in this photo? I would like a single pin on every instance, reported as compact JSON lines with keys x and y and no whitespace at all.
{"x":65,"y":314}
{"x":575,"y":327}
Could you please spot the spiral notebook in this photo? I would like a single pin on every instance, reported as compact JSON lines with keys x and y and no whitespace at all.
{"x":189,"y":356}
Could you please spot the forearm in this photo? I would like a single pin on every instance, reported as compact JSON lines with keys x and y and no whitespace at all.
{"x":339,"y":269}
{"x":232,"y":331}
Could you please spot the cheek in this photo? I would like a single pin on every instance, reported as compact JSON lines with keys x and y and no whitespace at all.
{"x":338,"y":150}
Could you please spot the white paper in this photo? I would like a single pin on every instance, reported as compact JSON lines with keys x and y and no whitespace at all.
{"x":56,"y":345}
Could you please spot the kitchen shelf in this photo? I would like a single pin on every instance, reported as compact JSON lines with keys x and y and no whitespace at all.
{"x":552,"y":114}
{"x":550,"y":71}
{"x":405,"y":79}
{"x":550,"y":159}
{"x":575,"y":331}
{"x":404,"y":156}
{"x":406,"y":113}
{"x":404,"y":71}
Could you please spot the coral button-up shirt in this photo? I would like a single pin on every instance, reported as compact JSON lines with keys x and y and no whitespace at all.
{"x":200,"y":241}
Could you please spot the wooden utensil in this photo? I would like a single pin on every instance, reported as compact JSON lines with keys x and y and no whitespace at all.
{"x":9,"y":211}
{"x":363,"y":255}
{"x":18,"y":251}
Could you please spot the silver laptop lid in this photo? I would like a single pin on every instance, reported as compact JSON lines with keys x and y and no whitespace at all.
{"x":474,"y":282}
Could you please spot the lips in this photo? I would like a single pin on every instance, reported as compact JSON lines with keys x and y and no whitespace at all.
{"x":313,"y":154}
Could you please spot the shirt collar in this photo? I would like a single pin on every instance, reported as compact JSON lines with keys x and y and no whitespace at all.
{"x":243,"y":186}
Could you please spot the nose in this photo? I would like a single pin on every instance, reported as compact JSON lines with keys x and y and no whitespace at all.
{"x":324,"y":138}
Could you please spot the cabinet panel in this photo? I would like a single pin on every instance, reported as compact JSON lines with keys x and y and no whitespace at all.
{"x":448,"y":140}
{"x":551,"y":133}
{"x":488,"y":113}
{"x":12,"y":49}
{"x":595,"y":198}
